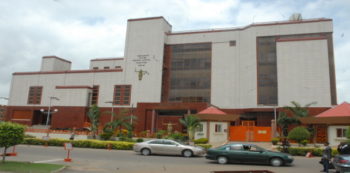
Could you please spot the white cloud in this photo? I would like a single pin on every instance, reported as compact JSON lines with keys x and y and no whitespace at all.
{"x":83,"y":29}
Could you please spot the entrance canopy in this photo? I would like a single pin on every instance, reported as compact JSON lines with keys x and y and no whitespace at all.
{"x":214,"y":114}
{"x":335,"y":116}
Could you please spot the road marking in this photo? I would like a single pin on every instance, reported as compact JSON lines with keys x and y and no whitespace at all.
{"x":47,"y":161}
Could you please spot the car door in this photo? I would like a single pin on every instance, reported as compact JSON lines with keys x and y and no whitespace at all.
{"x":156,"y":146}
{"x":255,"y":154}
{"x":234,"y":152}
{"x":170,"y":147}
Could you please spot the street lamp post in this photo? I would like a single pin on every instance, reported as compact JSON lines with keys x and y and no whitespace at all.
{"x":112,"y":113}
{"x":49,"y":110}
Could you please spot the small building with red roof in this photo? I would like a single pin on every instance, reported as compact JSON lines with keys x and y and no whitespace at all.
{"x":331,"y":125}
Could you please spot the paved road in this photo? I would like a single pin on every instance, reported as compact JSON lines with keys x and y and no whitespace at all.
{"x":99,"y":160}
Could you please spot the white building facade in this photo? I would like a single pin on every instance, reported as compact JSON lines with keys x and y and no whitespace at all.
{"x":164,"y":75}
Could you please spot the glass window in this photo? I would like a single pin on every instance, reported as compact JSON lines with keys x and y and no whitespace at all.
{"x":190,"y":73}
{"x":34,"y":95}
{"x":156,"y":142}
{"x":341,"y":133}
{"x":122,"y":94}
{"x":236,"y":147}
{"x":218,"y":128}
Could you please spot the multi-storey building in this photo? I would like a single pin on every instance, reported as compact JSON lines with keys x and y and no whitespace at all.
{"x":164,"y":75}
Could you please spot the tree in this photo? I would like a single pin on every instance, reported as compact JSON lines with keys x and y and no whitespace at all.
{"x":191,"y":123}
{"x":297,"y":111}
{"x":285,"y":121}
{"x":299,"y":134}
{"x":123,"y":120}
{"x":10,"y":134}
{"x":94,"y":116}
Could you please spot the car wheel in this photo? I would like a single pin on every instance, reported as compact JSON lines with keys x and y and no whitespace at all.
{"x":187,"y":153}
{"x":222,"y":160}
{"x":276,"y":162}
{"x":145,"y":152}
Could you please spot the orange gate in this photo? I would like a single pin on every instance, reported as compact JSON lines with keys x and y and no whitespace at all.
{"x":250,"y":133}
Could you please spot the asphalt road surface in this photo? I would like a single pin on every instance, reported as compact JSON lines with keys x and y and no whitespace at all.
{"x":100,"y":160}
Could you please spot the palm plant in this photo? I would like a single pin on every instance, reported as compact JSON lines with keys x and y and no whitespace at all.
{"x":191,"y":123}
{"x":297,"y":110}
{"x":94,"y":116}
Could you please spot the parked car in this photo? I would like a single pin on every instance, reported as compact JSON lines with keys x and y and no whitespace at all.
{"x":167,"y":147}
{"x":341,"y":162}
{"x":247,"y":153}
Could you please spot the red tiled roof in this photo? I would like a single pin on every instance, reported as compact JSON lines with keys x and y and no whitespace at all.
{"x":342,"y":110}
{"x":212,"y":110}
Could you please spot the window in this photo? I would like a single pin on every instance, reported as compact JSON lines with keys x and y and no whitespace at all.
{"x":341,"y":133}
{"x":189,"y":74}
{"x":106,"y":67}
{"x":122,"y":94}
{"x":235,"y":147}
{"x":218,"y":128}
{"x":34,"y":95}
{"x":233,"y":43}
{"x":200,"y":128}
{"x":118,"y":67}
{"x":156,"y":142}
{"x":95,"y":68}
{"x":94,"y":98}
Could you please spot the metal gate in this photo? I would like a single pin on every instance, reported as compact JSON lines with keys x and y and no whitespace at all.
{"x":250,"y":133}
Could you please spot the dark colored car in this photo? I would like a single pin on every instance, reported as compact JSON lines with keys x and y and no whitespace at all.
{"x":341,"y":162}
{"x":247,"y":153}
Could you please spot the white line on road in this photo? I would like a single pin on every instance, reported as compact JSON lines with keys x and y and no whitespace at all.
{"x":47,"y":161}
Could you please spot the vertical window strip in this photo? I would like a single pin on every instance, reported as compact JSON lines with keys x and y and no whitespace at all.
{"x":122,"y":94}
{"x":34,"y":95}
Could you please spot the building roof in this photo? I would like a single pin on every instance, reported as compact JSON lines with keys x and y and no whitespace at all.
{"x":212,"y":113}
{"x":334,"y":116}
{"x":342,"y":110}
{"x":212,"y":110}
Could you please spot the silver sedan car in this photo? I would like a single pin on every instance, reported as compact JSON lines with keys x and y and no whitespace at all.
{"x":167,"y":147}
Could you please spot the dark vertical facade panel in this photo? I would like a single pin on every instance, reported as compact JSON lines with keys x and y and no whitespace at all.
{"x":332,"y":69}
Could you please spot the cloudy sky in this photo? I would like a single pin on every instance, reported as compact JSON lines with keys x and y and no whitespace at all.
{"x":79,"y":30}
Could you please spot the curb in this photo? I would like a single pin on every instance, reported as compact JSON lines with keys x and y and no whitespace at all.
{"x":59,"y":170}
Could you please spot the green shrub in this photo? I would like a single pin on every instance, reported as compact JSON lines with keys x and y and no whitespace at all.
{"x":160,"y":134}
{"x":118,"y":145}
{"x":275,"y":141}
{"x":29,"y":136}
{"x":304,"y":142}
{"x":299,"y":134}
{"x":301,"y":151}
{"x":106,"y":135}
{"x":139,"y":140}
{"x":201,"y":141}
{"x":205,"y":146}
{"x":177,"y":136}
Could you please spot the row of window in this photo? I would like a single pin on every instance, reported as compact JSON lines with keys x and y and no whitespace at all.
{"x":107,"y":67}
{"x":121,"y":95}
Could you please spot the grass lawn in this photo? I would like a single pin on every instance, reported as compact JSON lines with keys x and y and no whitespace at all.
{"x":27,"y":167}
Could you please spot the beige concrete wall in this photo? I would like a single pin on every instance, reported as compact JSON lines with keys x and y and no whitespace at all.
{"x":54,"y":64}
{"x":303,"y":72}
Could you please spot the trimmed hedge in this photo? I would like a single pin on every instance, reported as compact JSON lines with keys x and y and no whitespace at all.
{"x":301,"y":151}
{"x":201,"y":141}
{"x":205,"y":146}
{"x":118,"y":145}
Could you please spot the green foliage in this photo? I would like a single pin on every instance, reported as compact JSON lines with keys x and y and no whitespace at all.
{"x":299,"y":134}
{"x":301,"y":151}
{"x":348,"y":133}
{"x":94,"y":116}
{"x":177,"y":136}
{"x":139,"y":140}
{"x":201,"y":141}
{"x":119,"y":145}
{"x":275,"y":141}
{"x":29,"y":136}
{"x":106,"y":135}
{"x":23,"y":167}
{"x":304,"y":142}
{"x":191,"y":122}
{"x":205,"y":146}
{"x":160,"y":134}
{"x":10,"y":134}
{"x":297,"y":110}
